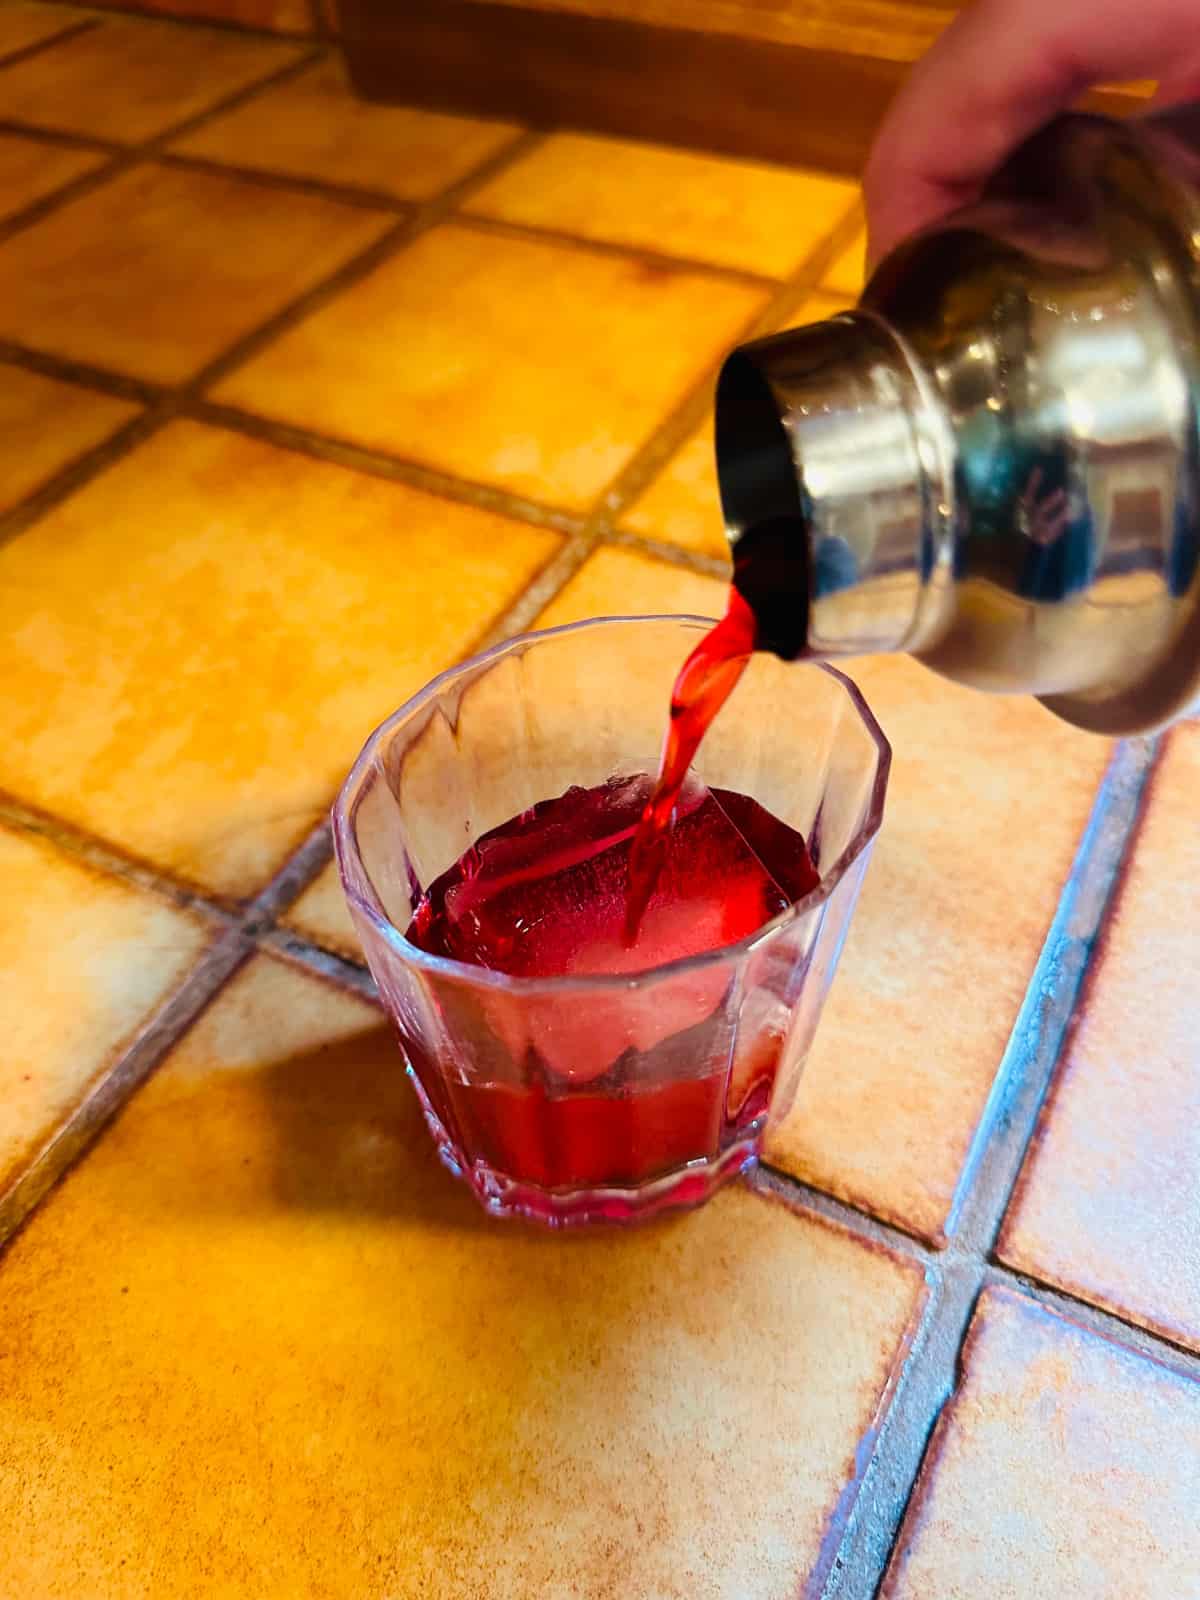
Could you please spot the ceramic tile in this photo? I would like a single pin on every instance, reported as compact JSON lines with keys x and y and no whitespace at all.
{"x":30,"y":170}
{"x":196,"y":644}
{"x":526,"y":364}
{"x":314,"y":126}
{"x":614,"y":583}
{"x":23,"y":23}
{"x":262,"y":1271}
{"x":848,"y":273}
{"x":1109,"y":1207}
{"x":987,"y":803}
{"x":682,"y":504}
{"x":131,"y":79}
{"x":285,"y":16}
{"x":1063,"y":1465}
{"x":83,"y":961}
{"x":733,"y":213}
{"x":159,"y":271}
{"x":320,"y":914}
{"x":45,"y":424}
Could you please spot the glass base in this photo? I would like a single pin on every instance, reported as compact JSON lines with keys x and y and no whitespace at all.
{"x":505,"y":1196}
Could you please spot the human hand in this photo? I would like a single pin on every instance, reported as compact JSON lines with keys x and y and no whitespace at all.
{"x":1000,"y":71}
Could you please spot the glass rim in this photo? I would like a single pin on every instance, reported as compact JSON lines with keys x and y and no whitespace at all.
{"x":346,"y":846}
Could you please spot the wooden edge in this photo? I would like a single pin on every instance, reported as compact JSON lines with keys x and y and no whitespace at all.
{"x":557,"y":69}
{"x":707,"y":91}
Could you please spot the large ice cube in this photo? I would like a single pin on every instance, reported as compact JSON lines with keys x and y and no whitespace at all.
{"x":544,"y":896}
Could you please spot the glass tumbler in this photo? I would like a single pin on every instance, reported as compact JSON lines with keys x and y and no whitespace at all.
{"x":676,"y":1071}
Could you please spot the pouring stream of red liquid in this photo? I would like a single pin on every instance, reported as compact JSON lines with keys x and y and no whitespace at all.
{"x":706,"y":680}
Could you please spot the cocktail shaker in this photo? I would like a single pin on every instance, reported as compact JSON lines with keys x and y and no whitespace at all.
{"x":993,"y":463}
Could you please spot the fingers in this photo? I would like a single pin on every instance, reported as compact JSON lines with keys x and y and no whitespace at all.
{"x":1001,"y":70}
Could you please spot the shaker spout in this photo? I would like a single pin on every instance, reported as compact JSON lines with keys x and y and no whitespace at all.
{"x":836,"y":484}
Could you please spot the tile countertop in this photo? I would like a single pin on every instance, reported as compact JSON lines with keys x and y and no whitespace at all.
{"x":300,"y":400}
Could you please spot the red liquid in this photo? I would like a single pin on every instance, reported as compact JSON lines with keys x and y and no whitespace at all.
{"x":706,"y":680}
{"x":608,"y":1086}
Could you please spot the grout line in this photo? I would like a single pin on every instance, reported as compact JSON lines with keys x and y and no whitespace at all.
{"x":134,"y":1065}
{"x":69,"y":30}
{"x":62,"y":138}
{"x":1109,"y":1325}
{"x":856,"y":1568}
{"x":991,"y":1168}
{"x":308,"y":56}
{"x":549,"y":583}
{"x":673,"y":555}
{"x":26,"y":216}
{"x":73,"y":476}
{"x":84,"y":374}
{"x":1010,"y":1115}
{"x":327,"y":964}
{"x":794,"y":1193}
{"x":295,"y":183}
{"x":144,"y":11}
{"x":642,"y":255}
{"x":98,"y":855}
{"x":381,"y":464}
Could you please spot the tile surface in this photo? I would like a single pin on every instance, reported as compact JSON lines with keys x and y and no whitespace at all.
{"x":31,"y":169}
{"x":131,"y":79}
{"x":45,"y":424}
{"x":314,"y":126}
{"x":735,"y":214}
{"x":158,"y":272}
{"x":1110,"y":1204}
{"x":194,"y":647}
{"x":262,"y":1272}
{"x":24,"y":23}
{"x":83,"y":961}
{"x":525,"y":364}
{"x":682,"y":504}
{"x":1064,"y":1466}
{"x":986,"y":805}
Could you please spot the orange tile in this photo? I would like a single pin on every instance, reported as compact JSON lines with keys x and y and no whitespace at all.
{"x":1063,"y":1465}
{"x":614,"y":583}
{"x":682,"y":504}
{"x":848,"y":273}
{"x":83,"y":961}
{"x":24,"y":23}
{"x":733,"y":213}
{"x":161,"y":270}
{"x":314,"y":126}
{"x":526,"y":364}
{"x":196,"y":644}
{"x":132,"y":79}
{"x":988,"y":799}
{"x":30,"y":170}
{"x":45,"y":424}
{"x":1109,"y":1207}
{"x":262,"y":1270}
{"x":320,"y":914}
{"x":286,"y":16}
